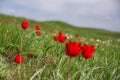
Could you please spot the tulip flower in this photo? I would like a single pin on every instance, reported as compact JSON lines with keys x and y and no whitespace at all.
{"x":37,"y":27}
{"x":77,"y":35}
{"x":60,"y":37}
{"x":52,"y":31}
{"x":38,"y":33}
{"x":87,"y":51}
{"x":24,"y":24}
{"x":18,"y":58}
{"x":55,"y":38}
{"x":73,"y":48}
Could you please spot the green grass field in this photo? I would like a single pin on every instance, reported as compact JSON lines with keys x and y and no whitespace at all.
{"x":45,"y":59}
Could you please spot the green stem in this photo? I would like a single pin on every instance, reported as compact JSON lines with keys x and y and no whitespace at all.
{"x":21,"y":41}
{"x":19,"y":75}
{"x":68,"y":75}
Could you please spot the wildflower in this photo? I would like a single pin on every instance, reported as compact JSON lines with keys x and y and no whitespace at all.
{"x":55,"y":38}
{"x":87,"y":51}
{"x":37,"y":27}
{"x":73,"y":48}
{"x":60,"y":37}
{"x":92,"y":40}
{"x":38,"y":33}
{"x":98,"y":40}
{"x":18,"y":58}
{"x":24,"y":24}
{"x":68,"y":36}
{"x":52,"y":31}
{"x":77,"y":35}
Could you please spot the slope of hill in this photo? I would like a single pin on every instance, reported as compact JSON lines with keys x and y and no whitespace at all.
{"x":58,"y":25}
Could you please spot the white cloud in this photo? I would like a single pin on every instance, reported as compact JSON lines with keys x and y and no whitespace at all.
{"x":98,"y":7}
{"x":7,"y":11}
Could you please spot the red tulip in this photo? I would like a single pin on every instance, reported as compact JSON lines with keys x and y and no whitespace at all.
{"x":60,"y":37}
{"x":87,"y":51}
{"x":24,"y":24}
{"x":37,"y":27}
{"x":52,"y":31}
{"x":18,"y":59}
{"x":55,"y":38}
{"x":73,"y":48}
{"x":77,"y":35}
{"x":38,"y":33}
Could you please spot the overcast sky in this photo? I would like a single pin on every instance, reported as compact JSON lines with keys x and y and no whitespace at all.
{"x":104,"y":14}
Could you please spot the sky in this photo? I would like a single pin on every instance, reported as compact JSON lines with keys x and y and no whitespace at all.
{"x":103,"y":14}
